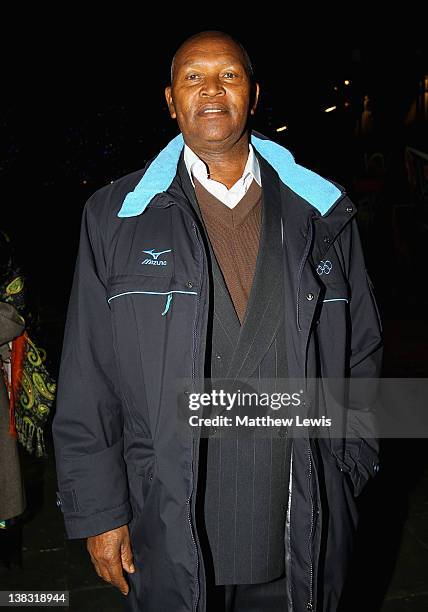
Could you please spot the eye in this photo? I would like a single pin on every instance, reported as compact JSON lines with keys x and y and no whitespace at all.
{"x":229,"y":74}
{"x":192,"y":76}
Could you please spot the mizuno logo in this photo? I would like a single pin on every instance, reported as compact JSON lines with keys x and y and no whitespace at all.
{"x":324,"y":267}
{"x":155,"y":254}
{"x":155,"y":261}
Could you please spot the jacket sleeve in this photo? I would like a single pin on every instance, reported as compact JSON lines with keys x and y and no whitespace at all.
{"x":88,"y":424}
{"x":361,"y":453}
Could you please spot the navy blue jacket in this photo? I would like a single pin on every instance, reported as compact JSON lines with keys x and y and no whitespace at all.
{"x":134,"y":329}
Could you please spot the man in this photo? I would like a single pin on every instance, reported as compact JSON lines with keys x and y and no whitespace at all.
{"x":222,"y":258}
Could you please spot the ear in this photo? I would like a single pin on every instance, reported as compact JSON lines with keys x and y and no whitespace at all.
{"x":255,"y":97}
{"x":169,"y":101}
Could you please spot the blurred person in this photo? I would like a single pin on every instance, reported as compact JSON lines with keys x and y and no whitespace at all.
{"x":12,"y":498}
{"x":26,"y":391}
{"x":31,"y":386}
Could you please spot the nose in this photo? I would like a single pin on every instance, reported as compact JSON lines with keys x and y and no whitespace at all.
{"x":212,"y":87}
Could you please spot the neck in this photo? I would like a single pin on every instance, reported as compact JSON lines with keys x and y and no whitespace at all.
{"x":226,"y":166}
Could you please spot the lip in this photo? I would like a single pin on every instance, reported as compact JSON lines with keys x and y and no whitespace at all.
{"x":218,"y":108}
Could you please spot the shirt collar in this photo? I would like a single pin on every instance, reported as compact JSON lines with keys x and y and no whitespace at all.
{"x":194,"y":164}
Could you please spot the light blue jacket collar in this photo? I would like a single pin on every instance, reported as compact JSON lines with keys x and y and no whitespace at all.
{"x":319,"y":192}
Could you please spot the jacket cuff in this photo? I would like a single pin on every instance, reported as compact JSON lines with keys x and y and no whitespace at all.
{"x":93,"y":491}
{"x":84,"y":527}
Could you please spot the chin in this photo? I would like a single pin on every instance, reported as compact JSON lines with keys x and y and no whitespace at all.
{"x":214,"y":134}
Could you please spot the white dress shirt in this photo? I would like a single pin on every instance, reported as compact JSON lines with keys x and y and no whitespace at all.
{"x":197,"y":168}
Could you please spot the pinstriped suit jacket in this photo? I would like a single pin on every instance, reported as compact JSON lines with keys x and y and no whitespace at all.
{"x":244,"y":475}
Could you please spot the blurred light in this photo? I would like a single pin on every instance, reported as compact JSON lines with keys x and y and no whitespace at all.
{"x":347,"y":82}
{"x":336,"y":88}
{"x":347,"y":104}
{"x":282,"y":128}
{"x":330,"y":108}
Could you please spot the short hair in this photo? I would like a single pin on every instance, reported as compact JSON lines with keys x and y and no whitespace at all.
{"x":216,"y":33}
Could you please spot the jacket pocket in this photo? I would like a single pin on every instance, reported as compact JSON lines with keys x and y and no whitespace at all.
{"x":333,"y":324}
{"x":372,"y":294}
{"x":361,"y":462}
{"x":140,"y":456}
{"x":162,"y":289}
{"x":141,"y":464}
{"x":336,"y":292}
{"x":152,"y":334}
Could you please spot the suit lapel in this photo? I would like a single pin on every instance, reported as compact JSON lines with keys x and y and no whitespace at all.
{"x":266,"y":300}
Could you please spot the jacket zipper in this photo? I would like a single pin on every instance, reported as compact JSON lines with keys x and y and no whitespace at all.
{"x":197,"y":306}
{"x":299,"y":274}
{"x":309,"y":605}
{"x":195,"y":605}
{"x":194,"y":352}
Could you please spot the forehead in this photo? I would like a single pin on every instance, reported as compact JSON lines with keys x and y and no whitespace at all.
{"x":209,"y":50}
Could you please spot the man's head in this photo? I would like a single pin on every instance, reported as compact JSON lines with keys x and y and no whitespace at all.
{"x":212,"y":91}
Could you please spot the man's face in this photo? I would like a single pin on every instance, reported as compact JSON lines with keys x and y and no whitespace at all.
{"x":210,"y":93}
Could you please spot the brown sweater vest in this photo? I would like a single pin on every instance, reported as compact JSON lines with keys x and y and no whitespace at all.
{"x":234,"y":234}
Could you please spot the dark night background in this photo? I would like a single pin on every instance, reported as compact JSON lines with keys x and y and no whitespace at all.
{"x":81,"y":109}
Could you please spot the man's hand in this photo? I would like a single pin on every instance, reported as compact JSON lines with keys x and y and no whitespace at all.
{"x":111,"y":553}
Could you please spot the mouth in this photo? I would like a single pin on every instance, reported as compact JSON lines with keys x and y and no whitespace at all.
{"x":212,"y":110}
